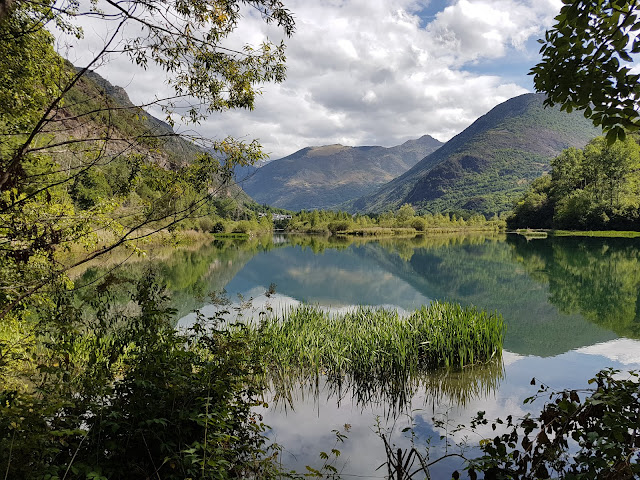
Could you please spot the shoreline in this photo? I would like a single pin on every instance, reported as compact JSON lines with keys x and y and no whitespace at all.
{"x":541,"y":233}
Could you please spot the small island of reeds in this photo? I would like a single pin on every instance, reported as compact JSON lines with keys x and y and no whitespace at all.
{"x":376,"y":344}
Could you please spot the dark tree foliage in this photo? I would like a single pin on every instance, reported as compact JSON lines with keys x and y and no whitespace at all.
{"x":587,"y":434}
{"x":128,"y":397}
{"x":586,"y":63}
{"x":535,"y":208}
{"x":580,"y":434}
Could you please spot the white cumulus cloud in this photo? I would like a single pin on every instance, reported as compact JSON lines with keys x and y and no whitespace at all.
{"x":368,"y":72}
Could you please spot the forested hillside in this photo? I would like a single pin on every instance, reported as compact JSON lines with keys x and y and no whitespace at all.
{"x":591,"y":189}
{"x":140,"y":150}
{"x":485,"y":168}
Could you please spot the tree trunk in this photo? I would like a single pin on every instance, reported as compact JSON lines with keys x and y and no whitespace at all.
{"x":5,"y":8}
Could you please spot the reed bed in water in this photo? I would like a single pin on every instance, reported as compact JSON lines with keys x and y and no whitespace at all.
{"x":372,"y":344}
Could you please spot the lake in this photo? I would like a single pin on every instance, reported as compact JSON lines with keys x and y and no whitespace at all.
{"x":571,"y":306}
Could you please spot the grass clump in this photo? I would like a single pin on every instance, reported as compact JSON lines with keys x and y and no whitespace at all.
{"x":377,"y":344}
{"x":595,"y":233}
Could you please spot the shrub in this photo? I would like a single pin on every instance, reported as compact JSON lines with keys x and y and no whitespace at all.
{"x":339,"y":226}
{"x":591,"y":438}
{"x":405,"y":213}
{"x":205,"y":224}
{"x":218,"y":227}
{"x":419,"y":223}
{"x":243,"y":226}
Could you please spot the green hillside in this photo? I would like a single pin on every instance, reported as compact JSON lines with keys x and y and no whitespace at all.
{"x":487,"y":166}
{"x":324,"y":177}
{"x":132,"y":154}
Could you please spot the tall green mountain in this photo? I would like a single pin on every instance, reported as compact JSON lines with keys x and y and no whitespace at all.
{"x":324,"y":177}
{"x":487,"y":166}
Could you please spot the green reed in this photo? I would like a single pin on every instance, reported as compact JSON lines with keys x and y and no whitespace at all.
{"x":373,"y":345}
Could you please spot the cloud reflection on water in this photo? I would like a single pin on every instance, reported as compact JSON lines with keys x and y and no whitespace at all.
{"x":305,"y":427}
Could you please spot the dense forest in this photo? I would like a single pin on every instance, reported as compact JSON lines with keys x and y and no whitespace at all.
{"x":591,"y":189}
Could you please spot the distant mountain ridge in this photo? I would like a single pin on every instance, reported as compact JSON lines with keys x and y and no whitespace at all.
{"x":324,"y":177}
{"x":488,"y":165}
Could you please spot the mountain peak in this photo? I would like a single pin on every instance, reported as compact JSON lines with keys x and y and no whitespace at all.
{"x":423,"y":140}
{"x":326,"y":150}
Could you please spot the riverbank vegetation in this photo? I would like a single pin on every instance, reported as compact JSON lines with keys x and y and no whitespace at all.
{"x":590,"y":189}
{"x":228,"y":218}
{"x":379,"y":343}
{"x":596,"y":233}
{"x":105,"y":393}
{"x":403,"y":221}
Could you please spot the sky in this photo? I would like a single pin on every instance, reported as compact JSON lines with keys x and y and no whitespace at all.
{"x":367,"y":72}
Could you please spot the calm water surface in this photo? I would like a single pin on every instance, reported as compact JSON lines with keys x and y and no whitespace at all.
{"x":571,"y":305}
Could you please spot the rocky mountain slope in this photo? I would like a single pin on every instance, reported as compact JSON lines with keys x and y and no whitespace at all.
{"x":94,"y":109}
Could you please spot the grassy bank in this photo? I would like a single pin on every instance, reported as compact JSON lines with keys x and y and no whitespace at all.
{"x":541,"y":233}
{"x":409,"y":231}
{"x":162,"y":242}
{"x":594,"y":233}
{"x":232,"y":235}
